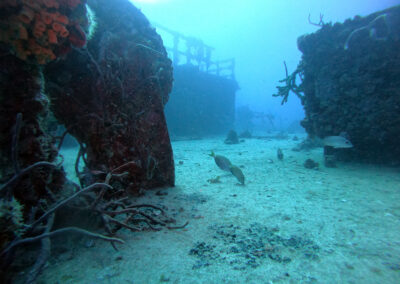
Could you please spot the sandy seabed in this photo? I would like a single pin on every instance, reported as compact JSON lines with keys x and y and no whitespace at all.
{"x":288,"y":224}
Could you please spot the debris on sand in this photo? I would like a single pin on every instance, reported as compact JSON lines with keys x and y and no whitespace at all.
{"x":279,"y":154}
{"x":311,"y":164}
{"x":232,"y":138}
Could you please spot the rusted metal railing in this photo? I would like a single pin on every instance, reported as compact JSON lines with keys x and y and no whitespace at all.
{"x":190,"y":50}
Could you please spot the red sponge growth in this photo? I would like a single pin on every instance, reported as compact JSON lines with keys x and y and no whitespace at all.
{"x":40,"y":31}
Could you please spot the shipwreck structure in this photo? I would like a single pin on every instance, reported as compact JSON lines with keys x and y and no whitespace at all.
{"x":349,"y":83}
{"x":202,"y":100}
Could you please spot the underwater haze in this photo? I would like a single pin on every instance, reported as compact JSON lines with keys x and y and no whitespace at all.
{"x":259,"y":34}
{"x":199,"y":141}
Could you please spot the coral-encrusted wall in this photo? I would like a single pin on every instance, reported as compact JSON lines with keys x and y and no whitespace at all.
{"x":109,"y":92}
{"x":352,"y":84}
{"x":111,"y":98}
{"x":21,"y":92}
{"x":32,"y":33}
{"x":108,"y":88}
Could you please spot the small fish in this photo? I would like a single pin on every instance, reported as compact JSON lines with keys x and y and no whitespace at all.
{"x":279,"y":154}
{"x":337,"y":142}
{"x":237,"y":172}
{"x":222,"y":162}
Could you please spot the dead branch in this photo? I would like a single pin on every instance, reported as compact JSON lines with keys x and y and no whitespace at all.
{"x":62,"y":140}
{"x":123,"y":166}
{"x":61,"y":232}
{"x":18,"y":173}
{"x":151,"y":49}
{"x":43,"y":255}
{"x":178,"y":227}
{"x":61,"y":203}
{"x":320,"y":23}
{"x":110,"y":207}
{"x":122,"y":224}
{"x":11,"y":182}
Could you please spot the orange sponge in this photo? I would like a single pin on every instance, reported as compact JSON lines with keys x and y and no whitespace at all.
{"x":52,"y":37}
{"x":64,"y":32}
{"x":57,"y":17}
{"x":47,"y":18}
{"x":41,"y":30}
{"x":39,"y":25}
{"x":57,"y":27}
{"x":26,"y":15}
{"x":37,"y":33}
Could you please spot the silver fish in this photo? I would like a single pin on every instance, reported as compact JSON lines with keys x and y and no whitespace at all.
{"x":337,"y":142}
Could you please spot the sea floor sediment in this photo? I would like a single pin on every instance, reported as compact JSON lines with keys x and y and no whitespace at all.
{"x":287,"y":224}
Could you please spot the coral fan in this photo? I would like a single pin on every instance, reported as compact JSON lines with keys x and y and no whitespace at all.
{"x":40,"y":31}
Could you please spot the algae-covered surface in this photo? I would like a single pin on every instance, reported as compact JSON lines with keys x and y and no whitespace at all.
{"x":287,"y":224}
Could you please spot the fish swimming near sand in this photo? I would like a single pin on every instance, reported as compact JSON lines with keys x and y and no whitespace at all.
{"x":222,"y":162}
{"x":337,"y":142}
{"x":237,"y":172}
